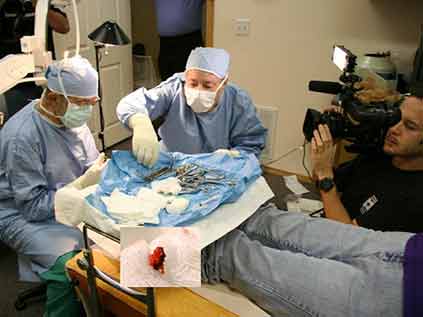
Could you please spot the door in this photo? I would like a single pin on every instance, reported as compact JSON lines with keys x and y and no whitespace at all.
{"x":209,"y":23}
{"x":115,"y":62}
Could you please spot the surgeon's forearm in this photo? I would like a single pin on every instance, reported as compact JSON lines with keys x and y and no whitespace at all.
{"x":249,"y":143}
{"x":40,"y":208}
{"x":240,"y":148}
{"x":127,"y":108}
{"x":334,"y":208}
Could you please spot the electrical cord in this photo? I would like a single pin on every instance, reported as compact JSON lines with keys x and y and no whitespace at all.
{"x":318,"y":213}
{"x":303,"y":160}
{"x":297,"y":148}
{"x":292,"y":150}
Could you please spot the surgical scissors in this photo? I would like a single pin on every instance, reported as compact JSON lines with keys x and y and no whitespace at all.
{"x":158,"y":173}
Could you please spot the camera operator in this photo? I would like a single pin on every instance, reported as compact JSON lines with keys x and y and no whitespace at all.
{"x":17,"y":18}
{"x":379,"y":192}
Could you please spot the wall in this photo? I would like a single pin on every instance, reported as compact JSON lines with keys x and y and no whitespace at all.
{"x":290,"y":43}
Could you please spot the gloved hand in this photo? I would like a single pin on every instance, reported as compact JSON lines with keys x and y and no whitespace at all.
{"x":69,"y":206}
{"x":145,"y":145}
{"x":231,"y":153}
{"x":92,"y":175}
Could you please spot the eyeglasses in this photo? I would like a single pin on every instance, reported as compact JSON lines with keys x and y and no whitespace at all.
{"x":85,"y":102}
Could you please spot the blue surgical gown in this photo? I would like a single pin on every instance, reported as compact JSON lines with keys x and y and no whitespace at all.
{"x":234,"y":124}
{"x":36,"y":159}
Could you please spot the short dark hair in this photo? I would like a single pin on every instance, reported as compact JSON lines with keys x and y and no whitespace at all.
{"x":416,"y":89}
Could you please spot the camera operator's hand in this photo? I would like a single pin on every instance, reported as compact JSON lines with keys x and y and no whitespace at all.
{"x":322,"y":152}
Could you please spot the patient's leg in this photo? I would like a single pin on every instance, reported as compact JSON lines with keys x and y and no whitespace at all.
{"x":320,"y":237}
{"x":281,"y":281}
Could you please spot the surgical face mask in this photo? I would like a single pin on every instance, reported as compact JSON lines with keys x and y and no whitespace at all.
{"x":75,"y":115}
{"x":201,"y":100}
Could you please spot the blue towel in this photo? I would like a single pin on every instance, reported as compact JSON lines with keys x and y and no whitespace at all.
{"x":124,"y":173}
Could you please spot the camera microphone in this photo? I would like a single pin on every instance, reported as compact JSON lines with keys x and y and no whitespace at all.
{"x":327,"y":87}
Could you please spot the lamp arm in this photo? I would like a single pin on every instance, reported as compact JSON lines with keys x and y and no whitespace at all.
{"x":97,"y":47}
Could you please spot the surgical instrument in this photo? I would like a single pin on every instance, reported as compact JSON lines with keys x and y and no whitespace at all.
{"x":202,"y":204}
{"x":158,"y":173}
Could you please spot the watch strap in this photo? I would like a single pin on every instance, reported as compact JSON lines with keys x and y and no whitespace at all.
{"x":325,"y":184}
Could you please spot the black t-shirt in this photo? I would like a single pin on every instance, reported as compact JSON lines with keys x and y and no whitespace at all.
{"x":17,"y":20}
{"x":380,"y":196}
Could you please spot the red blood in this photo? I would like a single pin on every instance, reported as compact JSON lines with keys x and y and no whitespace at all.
{"x":156,"y":259}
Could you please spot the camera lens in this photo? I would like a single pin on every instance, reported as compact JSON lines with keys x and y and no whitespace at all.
{"x":311,"y":121}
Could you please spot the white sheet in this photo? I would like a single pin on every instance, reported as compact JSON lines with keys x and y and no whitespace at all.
{"x":227,"y":217}
{"x":182,"y":265}
{"x":211,"y":228}
{"x":230,"y":300}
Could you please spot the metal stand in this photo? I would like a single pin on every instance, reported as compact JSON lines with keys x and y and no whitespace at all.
{"x":87,"y":264}
{"x":34,"y":294}
{"x":97,"y":62}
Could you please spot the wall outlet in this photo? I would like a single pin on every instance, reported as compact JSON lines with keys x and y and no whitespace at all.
{"x":242,"y":27}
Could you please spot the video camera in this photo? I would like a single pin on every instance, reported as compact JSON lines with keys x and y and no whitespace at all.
{"x":364,"y":125}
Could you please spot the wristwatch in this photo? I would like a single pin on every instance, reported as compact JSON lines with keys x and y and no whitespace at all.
{"x":325,"y":184}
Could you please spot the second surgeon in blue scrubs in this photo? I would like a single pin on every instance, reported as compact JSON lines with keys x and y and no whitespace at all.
{"x":203,"y":112}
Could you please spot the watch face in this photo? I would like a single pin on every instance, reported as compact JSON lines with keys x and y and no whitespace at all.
{"x":326,"y":184}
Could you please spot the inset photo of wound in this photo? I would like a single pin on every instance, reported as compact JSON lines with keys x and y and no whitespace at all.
{"x":160,"y":257}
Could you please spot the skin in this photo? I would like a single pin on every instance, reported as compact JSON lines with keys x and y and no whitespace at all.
{"x":56,"y":21}
{"x":201,"y":80}
{"x":403,"y":139}
{"x":58,"y":104}
{"x":322,"y":152}
{"x":402,"y":143}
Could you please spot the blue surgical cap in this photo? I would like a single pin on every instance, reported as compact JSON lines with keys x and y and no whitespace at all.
{"x":208,"y":59}
{"x":79,"y":78}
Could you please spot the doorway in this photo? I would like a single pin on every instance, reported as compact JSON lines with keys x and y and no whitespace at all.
{"x":144,"y":32}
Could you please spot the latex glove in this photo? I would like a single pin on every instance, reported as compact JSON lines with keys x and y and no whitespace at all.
{"x":231,"y":153}
{"x":92,"y":175}
{"x":69,"y":206}
{"x":145,"y":145}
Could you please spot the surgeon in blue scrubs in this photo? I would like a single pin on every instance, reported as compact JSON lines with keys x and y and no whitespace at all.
{"x":43,"y":147}
{"x":203,"y":112}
